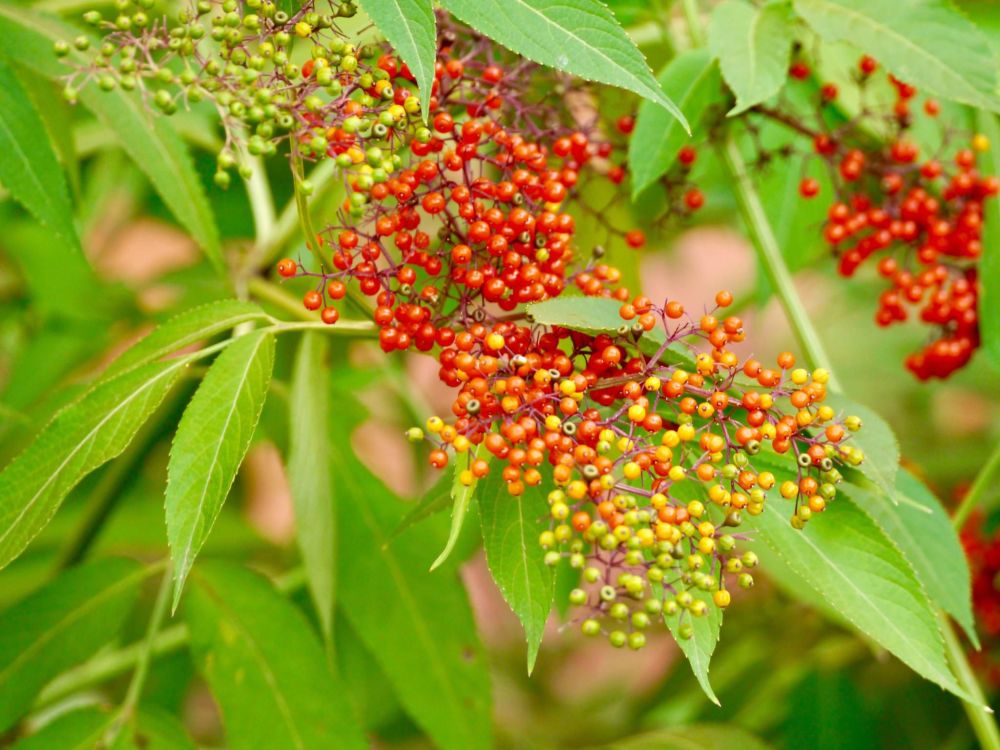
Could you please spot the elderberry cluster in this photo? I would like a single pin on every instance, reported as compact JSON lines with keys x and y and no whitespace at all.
{"x":655,"y":440}
{"x":919,"y":215}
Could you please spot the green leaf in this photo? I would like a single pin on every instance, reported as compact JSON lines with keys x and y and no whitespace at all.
{"x":877,"y":441}
{"x":29,"y":168}
{"x":753,"y":45}
{"x":600,"y":315}
{"x":923,"y":532}
{"x":212,"y":438}
{"x":76,"y":730}
{"x":153,"y":730}
{"x":581,"y":37}
{"x":692,"y":80}
{"x":694,"y":737}
{"x":699,"y":647}
{"x":858,"y":569}
{"x":989,"y":266}
{"x":461,"y":495}
{"x":411,"y":29}
{"x":59,"y":626}
{"x":185,"y":329}
{"x":924,"y":42}
{"x":150,"y":141}
{"x":265,"y":666}
{"x":436,"y":500}
{"x":309,"y":473}
{"x":423,"y":635}
{"x":78,"y":440}
{"x":516,"y":560}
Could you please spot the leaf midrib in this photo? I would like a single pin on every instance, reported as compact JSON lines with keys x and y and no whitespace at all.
{"x":87,"y":438}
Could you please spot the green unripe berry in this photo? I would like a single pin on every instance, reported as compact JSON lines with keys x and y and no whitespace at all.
{"x":618,"y":611}
{"x":608,"y":593}
{"x":636,"y":641}
{"x":590,"y":627}
{"x":617,"y":638}
{"x":222,"y":179}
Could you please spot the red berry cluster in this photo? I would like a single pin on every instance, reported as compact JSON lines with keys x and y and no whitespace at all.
{"x":919,"y":217}
{"x":656,"y":437}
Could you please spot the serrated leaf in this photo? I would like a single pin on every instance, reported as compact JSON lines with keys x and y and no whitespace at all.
{"x":876,"y":439}
{"x":150,"y":141}
{"x":923,"y":532}
{"x":461,"y":496}
{"x":753,"y":45}
{"x":78,"y":440}
{"x":309,"y":474}
{"x":60,"y":625}
{"x":924,"y":42}
{"x":212,"y":438}
{"x":265,"y":667}
{"x":600,"y":315}
{"x":989,"y":266}
{"x":76,"y":730}
{"x":424,"y":638}
{"x":692,"y":80}
{"x":694,"y":737}
{"x":701,"y":645}
{"x":517,"y":562}
{"x":581,"y":37}
{"x":857,"y":568}
{"x":411,"y":29}
{"x":189,"y":327}
{"x":29,"y":168}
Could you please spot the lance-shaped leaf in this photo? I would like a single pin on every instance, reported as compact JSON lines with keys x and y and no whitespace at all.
{"x":923,"y":532}
{"x":411,"y":29}
{"x":581,"y":37}
{"x":150,"y":141}
{"x":463,"y":485}
{"x":265,"y":666}
{"x":692,"y":80}
{"x":76,"y":730}
{"x":924,"y":42}
{"x":79,"y":439}
{"x":29,"y":168}
{"x":59,"y":626}
{"x":858,"y":569}
{"x":753,"y":45}
{"x":309,"y":473}
{"x":876,"y":439}
{"x":211,"y":441}
{"x":184,"y":329}
{"x":516,"y":560}
{"x":424,"y":638}
{"x":701,"y":645}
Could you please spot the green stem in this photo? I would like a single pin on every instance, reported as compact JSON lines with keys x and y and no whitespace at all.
{"x":111,"y":664}
{"x":143,"y":659}
{"x":977,"y":492}
{"x":269,"y":292}
{"x":305,"y":218}
{"x":981,"y":717}
{"x":769,"y":253}
{"x":261,"y":201}
{"x":323,"y":181}
{"x":693,"y":18}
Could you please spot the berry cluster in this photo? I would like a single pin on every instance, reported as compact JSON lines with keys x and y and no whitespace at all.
{"x":657,"y":439}
{"x":652,"y":439}
{"x":919,"y":216}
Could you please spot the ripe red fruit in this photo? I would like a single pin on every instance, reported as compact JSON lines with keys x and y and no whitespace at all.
{"x":635,"y":238}
{"x":808,"y":188}
{"x":287,"y":267}
{"x":694,"y":199}
{"x":313,"y":300}
{"x":329,"y":315}
{"x":687,"y":156}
